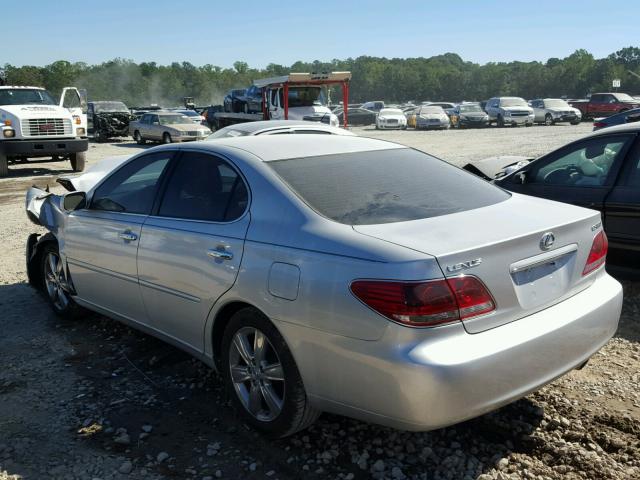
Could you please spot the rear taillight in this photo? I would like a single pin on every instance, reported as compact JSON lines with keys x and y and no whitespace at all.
{"x":425,"y":304}
{"x":599,"y":124}
{"x":598,"y":253}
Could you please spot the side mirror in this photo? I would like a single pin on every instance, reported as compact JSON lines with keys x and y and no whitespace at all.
{"x":74,"y":201}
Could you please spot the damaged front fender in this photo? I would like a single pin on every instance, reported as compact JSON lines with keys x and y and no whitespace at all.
{"x":44,"y":208}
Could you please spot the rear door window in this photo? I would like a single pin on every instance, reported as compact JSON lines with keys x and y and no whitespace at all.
{"x":204,"y":187}
{"x":384,"y":186}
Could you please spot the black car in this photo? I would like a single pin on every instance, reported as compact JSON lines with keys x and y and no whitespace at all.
{"x":233,"y":101}
{"x":600,"y":171}
{"x":251,"y":101}
{"x":108,"y":119}
{"x":628,"y":116}
{"x":356,"y":116}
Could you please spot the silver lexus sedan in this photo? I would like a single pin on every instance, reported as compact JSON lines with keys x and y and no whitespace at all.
{"x":333,"y":273}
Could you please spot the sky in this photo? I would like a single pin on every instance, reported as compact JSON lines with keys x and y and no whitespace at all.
{"x":282,"y":32}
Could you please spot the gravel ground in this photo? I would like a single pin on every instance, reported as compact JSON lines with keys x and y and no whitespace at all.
{"x":96,"y":400}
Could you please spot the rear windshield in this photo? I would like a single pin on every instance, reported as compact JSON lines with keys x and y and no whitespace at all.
{"x":384,"y":186}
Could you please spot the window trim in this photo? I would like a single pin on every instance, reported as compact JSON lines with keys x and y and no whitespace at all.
{"x":169,"y":172}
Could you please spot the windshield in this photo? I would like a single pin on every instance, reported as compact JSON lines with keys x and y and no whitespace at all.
{"x":305,"y":96}
{"x":513,"y":102}
{"x":556,"y":103}
{"x":100,"y":107}
{"x":227,"y":132}
{"x":623,"y":97}
{"x":391,"y":111}
{"x":384,"y":186}
{"x":174,"y":119}
{"x":431,"y":110}
{"x":470,"y":108}
{"x":25,"y":96}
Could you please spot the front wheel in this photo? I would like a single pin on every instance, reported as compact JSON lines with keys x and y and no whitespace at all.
{"x":166,"y":137}
{"x":262,"y":378}
{"x":56,"y":283}
{"x":575,"y":122}
{"x":548,"y":120}
{"x":138,"y":138}
{"x":78,"y":161}
{"x":500,"y":121}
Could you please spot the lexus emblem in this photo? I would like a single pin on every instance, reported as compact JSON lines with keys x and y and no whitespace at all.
{"x":546,"y":242}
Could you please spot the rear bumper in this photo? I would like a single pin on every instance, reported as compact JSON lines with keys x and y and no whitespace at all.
{"x":423,"y":379}
{"x":43,"y":147}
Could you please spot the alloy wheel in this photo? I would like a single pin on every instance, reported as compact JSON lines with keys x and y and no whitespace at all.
{"x":56,"y":281}
{"x":257,"y":374}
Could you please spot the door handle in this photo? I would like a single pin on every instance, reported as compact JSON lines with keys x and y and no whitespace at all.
{"x":220,"y":254}
{"x":128,"y":236}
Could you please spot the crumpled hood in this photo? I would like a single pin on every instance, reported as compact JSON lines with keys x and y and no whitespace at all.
{"x":490,"y":168}
{"x":92,"y":175}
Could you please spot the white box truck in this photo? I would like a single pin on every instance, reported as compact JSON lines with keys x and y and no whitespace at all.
{"x":35,"y":125}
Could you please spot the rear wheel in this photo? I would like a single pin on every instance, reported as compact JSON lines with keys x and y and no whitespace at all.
{"x":548,"y":120}
{"x":57,"y":286}
{"x":4,"y":165}
{"x":78,"y":161}
{"x":166,"y":137}
{"x":138,"y":138}
{"x":262,"y":377}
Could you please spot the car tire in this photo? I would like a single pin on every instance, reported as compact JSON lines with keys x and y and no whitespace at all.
{"x":245,"y":108}
{"x":166,"y":137}
{"x":78,"y":161}
{"x":56,"y":284}
{"x":575,"y":122}
{"x":138,"y":138}
{"x":97,"y":137}
{"x":548,"y":120}
{"x":275,"y":405}
{"x":500,"y":121}
{"x":4,"y":165}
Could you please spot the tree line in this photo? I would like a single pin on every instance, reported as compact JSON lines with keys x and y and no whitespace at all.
{"x":442,"y":77}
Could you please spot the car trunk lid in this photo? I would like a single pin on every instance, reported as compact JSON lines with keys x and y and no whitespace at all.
{"x":529,"y":252}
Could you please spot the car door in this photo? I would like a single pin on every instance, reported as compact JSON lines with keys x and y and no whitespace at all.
{"x":90,"y":112}
{"x":192,"y":245}
{"x":154,"y":129}
{"x":538,"y":110}
{"x":76,"y":104}
{"x":581,"y":173}
{"x":622,"y":212}
{"x":101,"y":241}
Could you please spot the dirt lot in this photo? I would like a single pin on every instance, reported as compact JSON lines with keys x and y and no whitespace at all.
{"x":97,"y":400}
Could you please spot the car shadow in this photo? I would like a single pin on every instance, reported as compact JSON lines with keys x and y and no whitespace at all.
{"x":629,"y":326}
{"x":135,"y":379}
{"x":32,"y":168}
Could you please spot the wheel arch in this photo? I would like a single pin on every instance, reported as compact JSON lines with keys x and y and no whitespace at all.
{"x":220,"y":322}
{"x":35,"y":246}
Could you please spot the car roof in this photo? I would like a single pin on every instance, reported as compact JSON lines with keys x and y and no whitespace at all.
{"x":255,"y":126}
{"x":624,"y":128}
{"x":280,"y":147}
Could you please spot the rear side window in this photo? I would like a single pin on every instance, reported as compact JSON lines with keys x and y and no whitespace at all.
{"x":384,"y":186}
{"x":204,"y":187}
